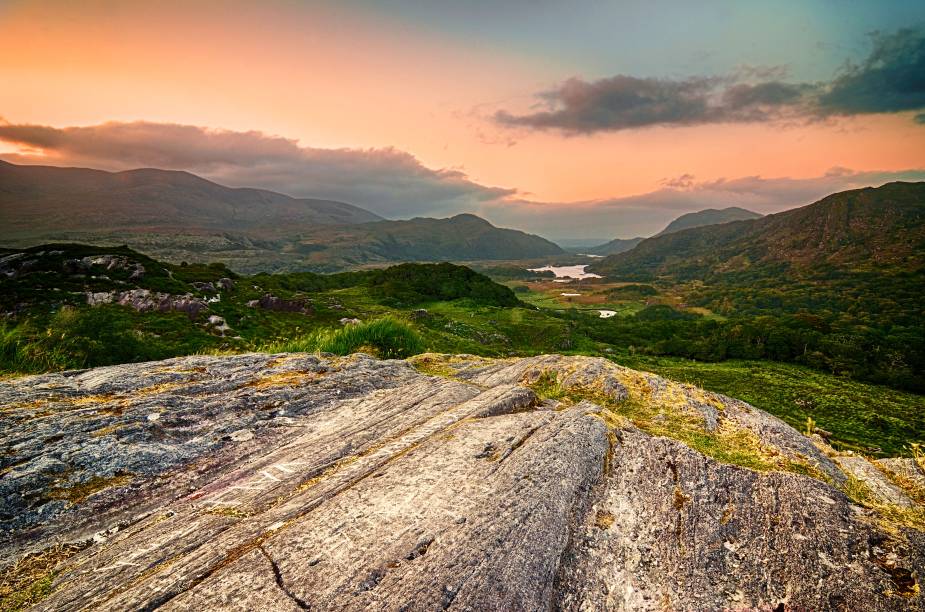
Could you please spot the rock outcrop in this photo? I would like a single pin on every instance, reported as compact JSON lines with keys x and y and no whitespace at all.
{"x":296,"y":481}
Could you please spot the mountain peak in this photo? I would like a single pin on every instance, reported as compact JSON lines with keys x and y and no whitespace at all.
{"x":709,"y":216}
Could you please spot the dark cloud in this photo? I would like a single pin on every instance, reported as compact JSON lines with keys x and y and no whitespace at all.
{"x":387,"y":181}
{"x":891,"y":79}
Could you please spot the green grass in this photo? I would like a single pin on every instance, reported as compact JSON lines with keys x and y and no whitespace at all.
{"x":869,"y":418}
{"x":388,"y":338}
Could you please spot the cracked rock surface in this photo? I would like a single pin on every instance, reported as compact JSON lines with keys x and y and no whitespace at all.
{"x":294,"y":481}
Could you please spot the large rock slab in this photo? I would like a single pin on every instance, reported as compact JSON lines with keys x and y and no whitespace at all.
{"x":297,"y":481}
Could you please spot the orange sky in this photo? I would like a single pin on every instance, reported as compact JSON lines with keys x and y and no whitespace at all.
{"x":335,"y":77}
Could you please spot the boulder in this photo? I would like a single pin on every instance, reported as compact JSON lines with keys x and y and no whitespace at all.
{"x":298,"y":481}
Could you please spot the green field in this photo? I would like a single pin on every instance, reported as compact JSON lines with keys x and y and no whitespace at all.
{"x":868,"y":418}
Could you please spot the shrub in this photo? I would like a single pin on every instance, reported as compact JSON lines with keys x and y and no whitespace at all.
{"x":388,"y":338}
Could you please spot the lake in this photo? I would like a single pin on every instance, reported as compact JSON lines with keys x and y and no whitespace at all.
{"x":577,"y":272}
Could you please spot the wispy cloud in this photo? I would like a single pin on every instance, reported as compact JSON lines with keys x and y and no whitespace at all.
{"x":891,"y":79}
{"x":648,"y":213}
{"x":387,"y":181}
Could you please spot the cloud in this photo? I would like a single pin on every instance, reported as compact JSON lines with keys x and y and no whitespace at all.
{"x":387,"y":181}
{"x":891,"y":79}
{"x":648,"y":213}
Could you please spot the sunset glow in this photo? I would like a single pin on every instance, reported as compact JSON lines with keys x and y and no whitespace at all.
{"x":350,"y":75}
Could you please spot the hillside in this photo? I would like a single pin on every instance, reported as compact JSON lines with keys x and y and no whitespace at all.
{"x":709,"y":216}
{"x":297,"y":481}
{"x":617,"y":245}
{"x":461,"y":238}
{"x":37,"y":200}
{"x":863,"y":229}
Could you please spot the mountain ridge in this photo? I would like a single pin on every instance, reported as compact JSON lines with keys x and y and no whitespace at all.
{"x":860,"y":228}
{"x":36,"y":198}
{"x":708,"y":216}
{"x":179,"y":216}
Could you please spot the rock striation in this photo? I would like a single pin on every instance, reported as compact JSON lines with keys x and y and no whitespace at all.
{"x":297,"y":481}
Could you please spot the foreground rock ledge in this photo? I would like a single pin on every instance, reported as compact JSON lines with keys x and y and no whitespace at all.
{"x":287,"y":482}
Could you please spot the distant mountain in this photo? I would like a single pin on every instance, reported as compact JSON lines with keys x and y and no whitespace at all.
{"x":709,"y":216}
{"x":178,"y":216}
{"x":862,"y":229}
{"x":38,"y":199}
{"x":617,"y":245}
{"x":461,"y":238}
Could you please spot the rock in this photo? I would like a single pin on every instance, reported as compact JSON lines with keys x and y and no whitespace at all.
{"x":145,"y":300}
{"x":109,"y":262}
{"x":219,"y":324}
{"x":875,"y":480}
{"x":298,"y":481}
{"x":204,"y":287}
{"x":272,"y":302}
{"x":904,"y":468}
{"x":349,"y":321}
{"x":225,"y":284}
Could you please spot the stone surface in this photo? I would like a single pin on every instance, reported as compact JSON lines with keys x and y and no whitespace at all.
{"x":298,"y":481}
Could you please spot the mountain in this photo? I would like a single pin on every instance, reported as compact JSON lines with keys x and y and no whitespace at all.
{"x":862,"y":229}
{"x":178,"y":216}
{"x":617,"y":245}
{"x":709,"y":216}
{"x":40,"y":199}
{"x":464,"y":237}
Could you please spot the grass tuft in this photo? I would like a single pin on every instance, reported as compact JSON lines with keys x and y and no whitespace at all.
{"x":387,"y":338}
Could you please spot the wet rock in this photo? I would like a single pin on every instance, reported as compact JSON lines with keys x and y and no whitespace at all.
{"x":298,"y":481}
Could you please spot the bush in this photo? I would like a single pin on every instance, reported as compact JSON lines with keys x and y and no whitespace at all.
{"x":410,"y":283}
{"x":387,"y":338}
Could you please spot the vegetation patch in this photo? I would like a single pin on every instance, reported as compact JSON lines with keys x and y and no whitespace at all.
{"x":26,"y":582}
{"x":669,"y":414}
{"x":890,"y":516}
{"x":387,"y":338}
{"x":79,"y":492}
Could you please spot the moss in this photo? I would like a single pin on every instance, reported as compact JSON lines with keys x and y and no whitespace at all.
{"x":228,"y":511}
{"x":31,"y":579}
{"x":603,"y":519}
{"x":81,"y":491}
{"x":105,"y":431}
{"x":442,"y":365}
{"x":680,"y":498}
{"x":284,"y":379}
{"x":890,"y":516}
{"x":667,"y":411}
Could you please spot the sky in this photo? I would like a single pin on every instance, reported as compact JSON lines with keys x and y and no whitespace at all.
{"x":578,"y":119}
